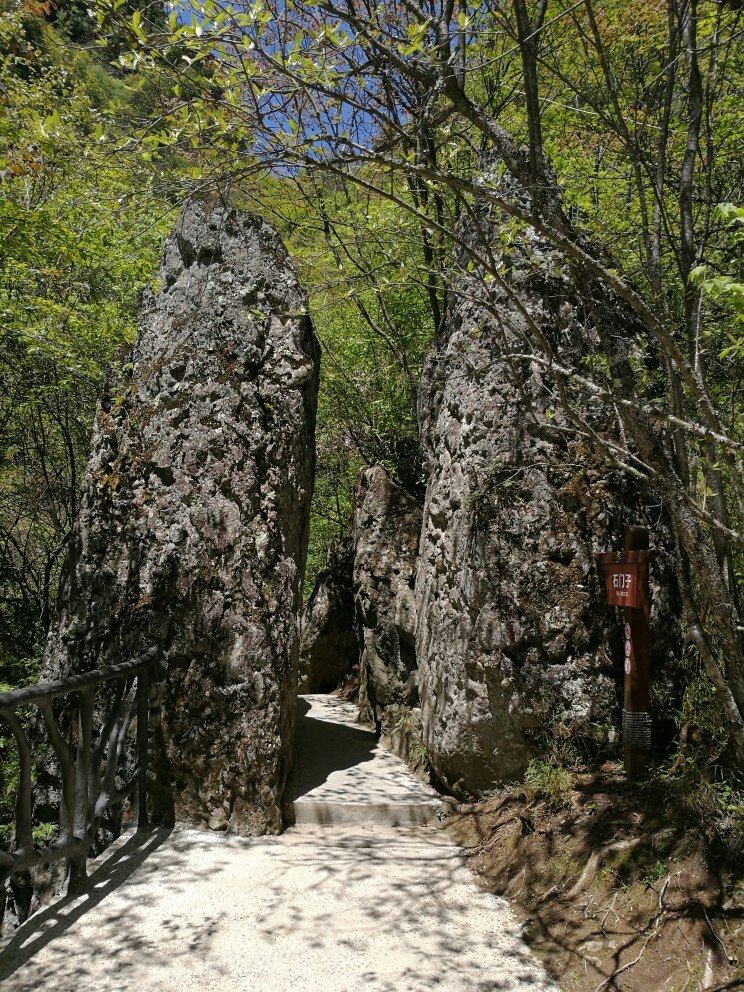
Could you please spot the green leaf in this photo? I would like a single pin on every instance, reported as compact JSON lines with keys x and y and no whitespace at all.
{"x":137,"y":26}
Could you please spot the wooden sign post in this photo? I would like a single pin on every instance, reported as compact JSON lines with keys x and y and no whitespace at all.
{"x":627,"y":585}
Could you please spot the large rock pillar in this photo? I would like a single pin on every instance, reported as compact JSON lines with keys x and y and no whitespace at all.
{"x":386,"y":531}
{"x":329,"y":646}
{"x":514,"y":642}
{"x":193,"y":523}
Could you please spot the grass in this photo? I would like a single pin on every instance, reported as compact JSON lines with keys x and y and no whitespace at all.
{"x":548,"y":780}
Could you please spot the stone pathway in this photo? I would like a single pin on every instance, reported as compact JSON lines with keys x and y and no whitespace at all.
{"x":345,"y":907}
{"x":341,"y":775}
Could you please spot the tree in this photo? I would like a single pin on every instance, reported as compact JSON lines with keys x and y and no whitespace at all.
{"x":620,"y":124}
{"x":80,"y":234}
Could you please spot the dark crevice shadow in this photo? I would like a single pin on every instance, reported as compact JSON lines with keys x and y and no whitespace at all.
{"x":50,"y":923}
{"x":322,"y":747}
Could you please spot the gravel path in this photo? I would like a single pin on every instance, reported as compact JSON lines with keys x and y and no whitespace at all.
{"x":341,"y":774}
{"x":347,"y":907}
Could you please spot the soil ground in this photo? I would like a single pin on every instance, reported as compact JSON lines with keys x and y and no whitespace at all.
{"x":615,"y":893}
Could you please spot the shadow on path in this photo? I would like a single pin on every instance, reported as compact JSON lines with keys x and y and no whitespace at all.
{"x":321,"y":748}
{"x":53,"y":921}
{"x":319,"y":909}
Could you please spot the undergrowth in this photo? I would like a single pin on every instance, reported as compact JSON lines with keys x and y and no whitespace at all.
{"x":697,"y":785}
{"x":701,"y":781}
{"x":548,"y":780}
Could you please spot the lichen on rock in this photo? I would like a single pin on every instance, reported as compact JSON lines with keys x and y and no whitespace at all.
{"x":193,"y":522}
{"x":513,"y":634}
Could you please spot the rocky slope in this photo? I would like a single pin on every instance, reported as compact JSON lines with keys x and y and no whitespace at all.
{"x":616,"y":887}
{"x":193,"y":523}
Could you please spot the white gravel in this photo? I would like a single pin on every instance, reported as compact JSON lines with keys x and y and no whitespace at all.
{"x":349,"y":906}
{"x":319,"y":908}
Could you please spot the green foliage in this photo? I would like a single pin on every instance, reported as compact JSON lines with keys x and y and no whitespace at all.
{"x":9,"y":769}
{"x":418,"y":755}
{"x":336,"y":471}
{"x":81,"y":231}
{"x":9,"y":772}
{"x":73,"y":20}
{"x":14,"y":673}
{"x":655,"y":874}
{"x":704,"y":797}
{"x":725,"y":291}
{"x":701,"y":713}
{"x":548,"y":780}
{"x":699,"y":785}
{"x":374,"y":324}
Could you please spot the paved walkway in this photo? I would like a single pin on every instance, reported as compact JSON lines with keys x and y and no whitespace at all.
{"x":336,"y":908}
{"x":341,"y":775}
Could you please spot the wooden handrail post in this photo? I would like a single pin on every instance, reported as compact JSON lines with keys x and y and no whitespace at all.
{"x":78,"y":863}
{"x":143,"y":719}
{"x":86,"y":792}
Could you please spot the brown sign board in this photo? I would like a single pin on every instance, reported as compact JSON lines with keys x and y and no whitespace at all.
{"x":627,"y":585}
{"x":621,"y":581}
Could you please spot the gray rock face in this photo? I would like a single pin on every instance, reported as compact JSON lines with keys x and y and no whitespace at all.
{"x":329,"y":646}
{"x":386,"y":529}
{"x":193,"y":524}
{"x":512,"y":628}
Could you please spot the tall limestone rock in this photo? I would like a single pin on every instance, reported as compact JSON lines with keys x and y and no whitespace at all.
{"x":329,"y":646}
{"x":385,"y":534}
{"x":193,"y":524}
{"x":512,"y":628}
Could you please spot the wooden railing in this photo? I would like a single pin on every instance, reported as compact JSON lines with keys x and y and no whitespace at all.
{"x":90,"y":760}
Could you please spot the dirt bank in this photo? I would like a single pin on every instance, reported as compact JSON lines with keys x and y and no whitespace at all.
{"x":616,"y":889}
